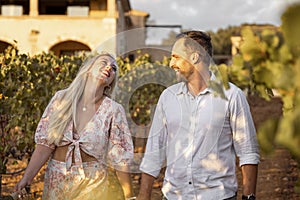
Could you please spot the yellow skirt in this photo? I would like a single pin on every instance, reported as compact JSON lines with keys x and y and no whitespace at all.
{"x":60,"y":184}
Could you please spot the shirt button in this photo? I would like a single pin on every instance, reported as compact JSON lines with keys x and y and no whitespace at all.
{"x":190,"y":182}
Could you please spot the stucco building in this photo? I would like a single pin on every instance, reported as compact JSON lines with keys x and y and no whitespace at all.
{"x":68,"y":26}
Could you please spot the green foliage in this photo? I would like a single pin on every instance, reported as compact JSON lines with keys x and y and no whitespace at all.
{"x":262,"y":59}
{"x":140,"y":85}
{"x":267,"y":138}
{"x":286,"y":82}
{"x":269,"y":61}
{"x":26,"y":85}
{"x":290,"y":28}
{"x":221,"y":39}
{"x":221,"y":81}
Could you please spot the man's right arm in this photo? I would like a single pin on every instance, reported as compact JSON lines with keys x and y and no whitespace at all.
{"x":146,"y":187}
{"x":155,"y":154}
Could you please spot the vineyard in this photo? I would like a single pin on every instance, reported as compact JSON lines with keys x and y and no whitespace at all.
{"x":268,"y":63}
{"x":278,"y":172}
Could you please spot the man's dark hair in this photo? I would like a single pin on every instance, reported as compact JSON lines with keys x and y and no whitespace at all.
{"x":199,"y":40}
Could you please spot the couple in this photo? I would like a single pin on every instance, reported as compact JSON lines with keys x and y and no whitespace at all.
{"x":194,"y":134}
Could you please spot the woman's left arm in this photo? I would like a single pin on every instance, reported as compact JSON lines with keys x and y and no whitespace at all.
{"x":120,"y":150}
{"x":126,"y":183}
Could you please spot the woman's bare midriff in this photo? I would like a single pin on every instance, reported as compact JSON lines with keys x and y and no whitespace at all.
{"x":60,"y":155}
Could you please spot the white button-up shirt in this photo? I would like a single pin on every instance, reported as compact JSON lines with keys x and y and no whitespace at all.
{"x":197,"y":139}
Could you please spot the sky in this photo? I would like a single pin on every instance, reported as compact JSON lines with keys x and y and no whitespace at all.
{"x":212,"y":14}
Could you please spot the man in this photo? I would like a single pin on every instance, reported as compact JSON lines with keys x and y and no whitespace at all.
{"x":197,"y":135}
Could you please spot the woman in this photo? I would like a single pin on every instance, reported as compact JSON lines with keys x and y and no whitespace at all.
{"x":83,"y":132}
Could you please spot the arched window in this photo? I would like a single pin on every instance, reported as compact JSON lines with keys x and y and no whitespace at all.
{"x":69,"y":48}
{"x":3,"y":46}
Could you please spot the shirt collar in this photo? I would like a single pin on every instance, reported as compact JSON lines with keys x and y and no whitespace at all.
{"x":183,"y":88}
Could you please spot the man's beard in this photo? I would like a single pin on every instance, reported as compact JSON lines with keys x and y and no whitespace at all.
{"x":180,"y":77}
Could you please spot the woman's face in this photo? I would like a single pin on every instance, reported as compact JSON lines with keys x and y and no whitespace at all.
{"x":104,"y":70}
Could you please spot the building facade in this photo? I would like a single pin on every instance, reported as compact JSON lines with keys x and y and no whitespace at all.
{"x":68,"y":26}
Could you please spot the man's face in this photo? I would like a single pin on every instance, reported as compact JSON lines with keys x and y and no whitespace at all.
{"x":181,"y":61}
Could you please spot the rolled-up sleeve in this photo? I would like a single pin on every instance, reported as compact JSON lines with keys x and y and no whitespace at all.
{"x":243,"y":130}
{"x":155,"y":154}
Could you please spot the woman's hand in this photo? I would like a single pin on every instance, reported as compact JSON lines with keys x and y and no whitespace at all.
{"x":21,"y":184}
{"x":20,"y":191}
{"x":39,"y":157}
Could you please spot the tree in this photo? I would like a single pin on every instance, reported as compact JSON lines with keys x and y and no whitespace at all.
{"x":221,"y":39}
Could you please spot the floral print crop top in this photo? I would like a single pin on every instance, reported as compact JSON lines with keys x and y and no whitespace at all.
{"x":106,"y":136}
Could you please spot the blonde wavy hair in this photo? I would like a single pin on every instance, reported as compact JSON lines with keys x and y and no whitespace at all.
{"x":65,"y":108}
